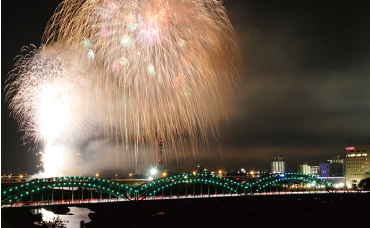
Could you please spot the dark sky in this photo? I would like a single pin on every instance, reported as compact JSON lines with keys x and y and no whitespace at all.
{"x":304,"y":93}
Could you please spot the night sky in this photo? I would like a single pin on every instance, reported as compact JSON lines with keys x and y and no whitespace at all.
{"x":304,"y":93}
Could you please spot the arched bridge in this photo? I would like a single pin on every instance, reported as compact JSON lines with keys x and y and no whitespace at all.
{"x":275,"y":180}
{"x":91,"y":189}
{"x":54,"y":189}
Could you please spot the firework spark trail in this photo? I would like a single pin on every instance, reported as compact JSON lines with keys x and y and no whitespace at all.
{"x":164,"y":68}
{"x":45,"y":95}
{"x":180,"y":57}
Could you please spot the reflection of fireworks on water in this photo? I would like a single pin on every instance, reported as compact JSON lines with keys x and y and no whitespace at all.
{"x":161,"y":69}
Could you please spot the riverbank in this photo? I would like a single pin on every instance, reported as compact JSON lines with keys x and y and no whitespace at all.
{"x":313,"y":209}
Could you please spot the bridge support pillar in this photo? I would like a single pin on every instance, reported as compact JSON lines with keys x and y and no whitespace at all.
{"x":186,"y":190}
{"x":178,"y":188}
{"x":170,"y":191}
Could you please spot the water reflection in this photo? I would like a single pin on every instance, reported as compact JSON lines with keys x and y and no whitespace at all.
{"x":73,"y":217}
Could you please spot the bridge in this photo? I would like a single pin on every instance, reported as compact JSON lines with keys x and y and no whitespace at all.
{"x":74,"y":190}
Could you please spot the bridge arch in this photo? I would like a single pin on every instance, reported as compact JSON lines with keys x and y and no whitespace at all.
{"x":151,"y":189}
{"x":156,"y":187}
{"x":15,"y":193}
{"x":261,"y":183}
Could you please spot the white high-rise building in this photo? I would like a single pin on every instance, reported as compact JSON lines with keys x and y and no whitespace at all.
{"x":305,"y":169}
{"x":278,"y":164}
{"x":357,"y":164}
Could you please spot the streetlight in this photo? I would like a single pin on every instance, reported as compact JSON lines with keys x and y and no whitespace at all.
{"x":153,"y":171}
{"x":96,"y":175}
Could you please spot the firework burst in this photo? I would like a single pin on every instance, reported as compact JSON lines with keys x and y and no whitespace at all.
{"x":156,"y":53}
{"x":46,"y":94}
{"x":153,"y":69}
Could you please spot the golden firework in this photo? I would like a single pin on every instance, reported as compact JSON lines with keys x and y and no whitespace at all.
{"x":154,"y":68}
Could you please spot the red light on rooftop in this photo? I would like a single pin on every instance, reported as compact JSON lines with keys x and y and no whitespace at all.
{"x":349,"y":148}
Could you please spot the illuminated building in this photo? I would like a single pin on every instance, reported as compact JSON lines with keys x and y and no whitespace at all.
{"x":357,"y":164}
{"x":305,"y":169}
{"x":332,"y":168}
{"x":315,"y":170}
{"x":324,"y":169}
{"x":278,"y":165}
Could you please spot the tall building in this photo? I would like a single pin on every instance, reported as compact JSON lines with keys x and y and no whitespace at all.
{"x":332,"y":168}
{"x":278,"y":164}
{"x":305,"y":169}
{"x":357,"y":164}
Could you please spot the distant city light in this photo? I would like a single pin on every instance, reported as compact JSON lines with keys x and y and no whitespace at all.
{"x":153,"y":171}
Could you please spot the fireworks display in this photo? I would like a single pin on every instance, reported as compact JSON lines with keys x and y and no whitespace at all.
{"x":46,"y":95}
{"x":137,"y":70}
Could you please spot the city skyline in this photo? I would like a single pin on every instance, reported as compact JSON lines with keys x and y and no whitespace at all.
{"x":304,"y":93}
